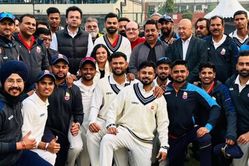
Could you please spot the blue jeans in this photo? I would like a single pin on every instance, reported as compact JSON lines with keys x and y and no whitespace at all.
{"x":178,"y":147}
{"x":29,"y":158}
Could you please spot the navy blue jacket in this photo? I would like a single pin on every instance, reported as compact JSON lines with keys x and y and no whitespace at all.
{"x":10,"y":130}
{"x":183,"y":106}
{"x":241,"y":103}
{"x":227,"y":120}
{"x":224,"y":58}
{"x":64,"y":103}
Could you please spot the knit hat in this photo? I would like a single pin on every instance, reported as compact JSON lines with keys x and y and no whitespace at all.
{"x":11,"y":67}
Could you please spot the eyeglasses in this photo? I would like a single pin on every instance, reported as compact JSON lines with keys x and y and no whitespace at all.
{"x":92,"y":26}
{"x":6,"y":15}
{"x":131,"y":29}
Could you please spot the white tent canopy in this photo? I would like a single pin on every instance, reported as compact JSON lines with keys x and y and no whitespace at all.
{"x":226,"y":9}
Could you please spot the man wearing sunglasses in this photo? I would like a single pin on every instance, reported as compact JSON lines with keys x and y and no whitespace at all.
{"x":8,"y":48}
{"x":201,"y":28}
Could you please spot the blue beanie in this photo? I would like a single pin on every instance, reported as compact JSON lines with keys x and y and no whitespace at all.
{"x":11,"y":67}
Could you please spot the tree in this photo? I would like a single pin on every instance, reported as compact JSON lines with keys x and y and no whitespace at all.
{"x":168,"y":7}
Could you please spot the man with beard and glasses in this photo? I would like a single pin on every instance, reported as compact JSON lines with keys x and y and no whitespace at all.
{"x":122,"y":22}
{"x":239,"y":89}
{"x":72,"y":41}
{"x":112,"y":40}
{"x":222,"y":51}
{"x":92,"y":27}
{"x":8,"y":46}
{"x":132,"y":119}
{"x":86,"y":84}
{"x":240,"y":35}
{"x":202,"y":28}
{"x":167,"y":29}
{"x":225,"y":129}
{"x":105,"y":92}
{"x":15,"y":147}
{"x":132,"y":34}
{"x":65,"y":110}
{"x":151,"y":50}
{"x":184,"y":101}
{"x":163,"y":69}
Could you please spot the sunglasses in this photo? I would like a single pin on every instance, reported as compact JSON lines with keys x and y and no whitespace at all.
{"x":200,"y":27}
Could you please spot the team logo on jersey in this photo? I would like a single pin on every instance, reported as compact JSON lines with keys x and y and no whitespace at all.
{"x":223,"y":51}
{"x":38,"y":49}
{"x":185,"y":95}
{"x":67,"y":96}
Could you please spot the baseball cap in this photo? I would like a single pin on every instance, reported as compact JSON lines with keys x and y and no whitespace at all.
{"x":165,"y":18}
{"x":86,"y":60}
{"x":7,"y":15}
{"x":163,"y":60}
{"x":44,"y":73}
{"x":228,"y":151}
{"x":56,"y":58}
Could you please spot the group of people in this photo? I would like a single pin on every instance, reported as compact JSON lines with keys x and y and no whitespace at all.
{"x":78,"y":97}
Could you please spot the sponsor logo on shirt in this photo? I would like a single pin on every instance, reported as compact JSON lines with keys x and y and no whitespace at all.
{"x":42,"y":114}
{"x":108,"y":93}
{"x":11,"y":117}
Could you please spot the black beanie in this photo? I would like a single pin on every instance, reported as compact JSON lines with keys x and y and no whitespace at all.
{"x":11,"y":67}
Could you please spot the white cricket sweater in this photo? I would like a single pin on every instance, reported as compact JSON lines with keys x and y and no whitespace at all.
{"x":105,"y":92}
{"x":141,"y":113}
{"x":123,"y":45}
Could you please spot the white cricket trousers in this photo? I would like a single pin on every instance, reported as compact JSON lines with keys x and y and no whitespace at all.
{"x":244,"y":160}
{"x":141,"y":155}
{"x":76,"y":146}
{"x":93,"y":147}
{"x":83,"y":158}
